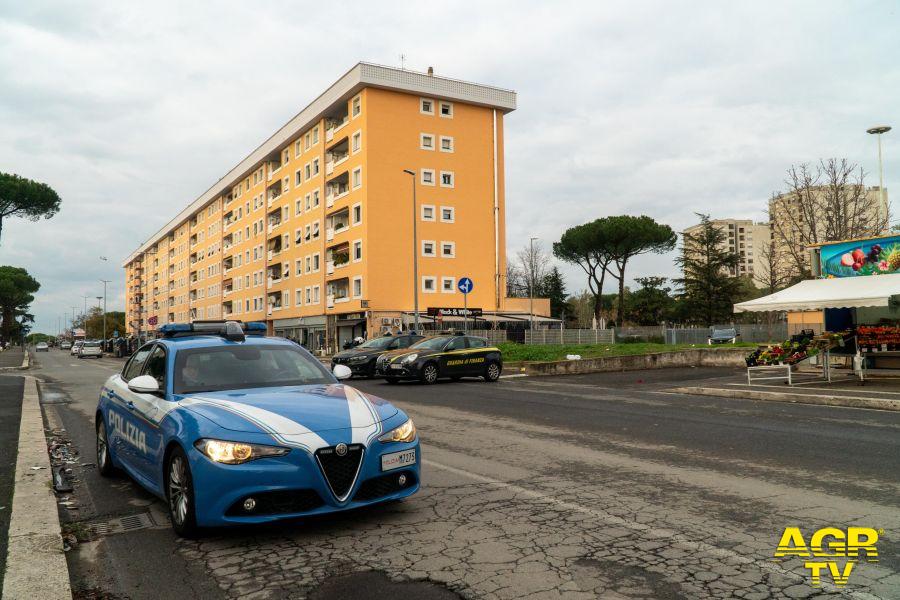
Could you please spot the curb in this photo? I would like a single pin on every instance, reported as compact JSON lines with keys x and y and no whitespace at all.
{"x":829,"y":400}
{"x":35,"y":563}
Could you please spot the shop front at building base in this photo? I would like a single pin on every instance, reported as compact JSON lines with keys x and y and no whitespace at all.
{"x":307,"y":331}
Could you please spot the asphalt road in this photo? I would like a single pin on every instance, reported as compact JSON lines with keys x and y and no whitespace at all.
{"x":578,"y":487}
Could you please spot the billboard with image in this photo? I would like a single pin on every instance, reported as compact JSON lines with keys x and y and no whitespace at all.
{"x":874,"y":256}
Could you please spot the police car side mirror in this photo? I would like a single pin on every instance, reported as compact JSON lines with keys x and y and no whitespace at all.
{"x":342,"y":372}
{"x":144,"y":384}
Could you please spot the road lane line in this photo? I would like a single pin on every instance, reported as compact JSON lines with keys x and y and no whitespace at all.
{"x":642,"y":528}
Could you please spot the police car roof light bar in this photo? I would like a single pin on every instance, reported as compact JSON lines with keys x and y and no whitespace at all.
{"x":231,"y":330}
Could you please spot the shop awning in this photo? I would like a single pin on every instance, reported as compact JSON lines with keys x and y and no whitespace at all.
{"x":816,"y":294}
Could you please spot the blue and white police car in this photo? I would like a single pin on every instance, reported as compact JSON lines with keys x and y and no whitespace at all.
{"x":229,"y":426}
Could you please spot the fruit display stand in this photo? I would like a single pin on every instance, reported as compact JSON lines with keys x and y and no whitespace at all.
{"x":784,"y":360}
{"x":879,"y":346}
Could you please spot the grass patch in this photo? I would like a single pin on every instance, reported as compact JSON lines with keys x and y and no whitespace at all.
{"x":513,"y":352}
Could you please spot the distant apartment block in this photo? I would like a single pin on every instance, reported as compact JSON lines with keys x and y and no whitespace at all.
{"x":746,"y":239}
{"x":871,"y":219}
{"x":312,"y":232}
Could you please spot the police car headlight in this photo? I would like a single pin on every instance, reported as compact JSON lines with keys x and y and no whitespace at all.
{"x":404,"y":433}
{"x":408,"y":359}
{"x":235,"y":453}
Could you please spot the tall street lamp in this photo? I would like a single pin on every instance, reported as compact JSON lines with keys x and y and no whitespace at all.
{"x":105,"y":281}
{"x":415,"y":251}
{"x":531,"y":285}
{"x":877,"y":131}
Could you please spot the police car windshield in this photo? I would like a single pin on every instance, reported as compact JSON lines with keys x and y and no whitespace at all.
{"x":432,"y":343}
{"x":247,"y":366}
{"x":379,"y":343}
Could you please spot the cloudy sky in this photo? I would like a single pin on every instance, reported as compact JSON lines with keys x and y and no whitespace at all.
{"x":131,"y":110}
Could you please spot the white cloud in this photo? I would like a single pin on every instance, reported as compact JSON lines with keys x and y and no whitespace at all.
{"x":130,"y":111}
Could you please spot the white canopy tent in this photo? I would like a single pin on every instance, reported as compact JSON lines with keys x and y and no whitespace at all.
{"x":816,"y":294}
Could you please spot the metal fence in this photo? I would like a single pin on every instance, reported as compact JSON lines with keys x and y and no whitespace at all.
{"x":755,"y":333}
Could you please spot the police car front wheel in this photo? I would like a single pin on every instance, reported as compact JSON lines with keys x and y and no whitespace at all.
{"x":180,"y":494}
{"x":104,"y":462}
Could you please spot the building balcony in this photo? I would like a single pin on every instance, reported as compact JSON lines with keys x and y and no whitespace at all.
{"x":334,"y":124}
{"x":273,"y":192}
{"x":336,"y":156}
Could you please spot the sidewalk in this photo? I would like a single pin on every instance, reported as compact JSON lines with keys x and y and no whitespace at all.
{"x":11,"y":357}
{"x":877,"y":393}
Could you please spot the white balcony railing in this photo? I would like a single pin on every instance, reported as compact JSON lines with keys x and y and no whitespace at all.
{"x":329,"y":234}
{"x":329,"y":267}
{"x":329,"y":301}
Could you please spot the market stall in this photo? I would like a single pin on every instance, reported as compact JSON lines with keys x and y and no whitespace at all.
{"x":858,"y":294}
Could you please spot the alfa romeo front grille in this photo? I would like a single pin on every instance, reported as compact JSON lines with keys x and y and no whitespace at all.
{"x":340,"y":471}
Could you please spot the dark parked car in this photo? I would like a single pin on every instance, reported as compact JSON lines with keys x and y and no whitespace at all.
{"x":723,"y":336}
{"x":361,"y":359}
{"x":454,"y":356}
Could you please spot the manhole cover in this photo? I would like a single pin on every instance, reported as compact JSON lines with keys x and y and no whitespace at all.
{"x":123,"y":525}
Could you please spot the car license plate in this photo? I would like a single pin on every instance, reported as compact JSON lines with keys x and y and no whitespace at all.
{"x":396,"y":366}
{"x":398,"y":459}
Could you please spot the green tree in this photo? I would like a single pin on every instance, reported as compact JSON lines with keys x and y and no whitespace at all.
{"x":553,"y":286}
{"x":92,"y":323}
{"x":652,"y":303}
{"x":633,"y":236}
{"x":20,"y":197}
{"x":588,"y":247}
{"x":17,"y":290}
{"x":708,"y":288}
{"x":35,"y":338}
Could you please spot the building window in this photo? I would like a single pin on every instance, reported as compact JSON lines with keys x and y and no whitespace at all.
{"x":356,"y":214}
{"x":357,"y":287}
{"x":299,"y":268}
{"x":448,"y":214}
{"x":298,"y":208}
{"x":298,"y":297}
{"x":315,"y":198}
{"x":448,"y":249}
{"x":357,"y":178}
{"x":297,"y":148}
{"x":315,"y":164}
{"x":448,"y":285}
{"x":426,"y":106}
{"x":315,"y":294}
{"x":357,"y":251}
{"x":447,"y":109}
{"x":356,"y":107}
{"x":429,"y":284}
{"x":426,"y":141}
{"x":427,"y":176}
{"x":446,"y":144}
{"x":428,"y":248}
{"x":315,"y":135}
{"x":427,"y":212}
{"x":356,"y":142}
{"x":298,"y":177}
{"x":447,"y":179}
{"x":307,"y":172}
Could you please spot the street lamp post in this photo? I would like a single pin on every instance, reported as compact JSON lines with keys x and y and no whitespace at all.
{"x":877,"y":131}
{"x":531,"y":285}
{"x":105,"y":281}
{"x":415,"y":252}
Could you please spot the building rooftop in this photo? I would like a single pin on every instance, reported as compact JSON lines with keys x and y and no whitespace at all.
{"x":362,"y":75}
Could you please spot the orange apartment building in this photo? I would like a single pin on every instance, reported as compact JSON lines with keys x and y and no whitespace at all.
{"x":313,"y":231}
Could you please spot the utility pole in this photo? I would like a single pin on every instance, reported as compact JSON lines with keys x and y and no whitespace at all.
{"x":877,"y":131}
{"x":531,"y":285}
{"x":105,"y":281}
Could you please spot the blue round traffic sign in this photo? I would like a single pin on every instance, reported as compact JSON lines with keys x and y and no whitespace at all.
{"x":465,"y":285}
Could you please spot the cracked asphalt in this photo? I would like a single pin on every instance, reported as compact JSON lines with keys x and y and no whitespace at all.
{"x":567,"y":487}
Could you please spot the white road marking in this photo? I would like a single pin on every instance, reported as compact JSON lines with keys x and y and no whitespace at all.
{"x":648,"y":530}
